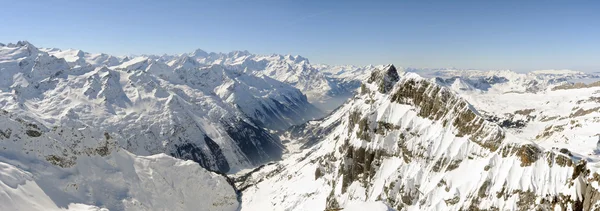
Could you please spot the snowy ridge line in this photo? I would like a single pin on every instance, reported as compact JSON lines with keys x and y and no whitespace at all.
{"x":399,"y":146}
{"x":91,"y":131}
{"x":150,"y":107}
{"x":291,"y":69}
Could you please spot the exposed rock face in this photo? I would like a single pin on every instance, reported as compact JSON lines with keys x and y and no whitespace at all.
{"x":256,"y":144}
{"x":414,"y":144}
{"x":386,"y":79}
{"x":212,"y":158}
{"x":576,"y":86}
{"x":405,"y":141}
{"x":35,"y":140}
{"x":435,"y":103}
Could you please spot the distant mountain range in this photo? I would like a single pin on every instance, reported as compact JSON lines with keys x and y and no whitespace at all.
{"x":239,"y":131}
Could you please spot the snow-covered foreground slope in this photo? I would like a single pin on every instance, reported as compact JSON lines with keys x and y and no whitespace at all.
{"x":119,"y":181}
{"x":84,"y":169}
{"x":412,"y":144}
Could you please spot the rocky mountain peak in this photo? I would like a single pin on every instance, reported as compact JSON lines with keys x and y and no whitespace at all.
{"x":23,"y":43}
{"x":384,"y":78}
{"x":199,"y":53}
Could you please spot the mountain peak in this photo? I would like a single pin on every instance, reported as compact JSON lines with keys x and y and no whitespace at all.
{"x":185,"y":62}
{"x":79,"y":53}
{"x":199,"y":53}
{"x":238,"y":53}
{"x":23,"y":43}
{"x":296,"y":58}
{"x":30,"y":49}
{"x":384,"y":78}
{"x":391,"y":70}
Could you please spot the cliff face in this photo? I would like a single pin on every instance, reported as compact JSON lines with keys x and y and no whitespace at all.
{"x":413,"y":144}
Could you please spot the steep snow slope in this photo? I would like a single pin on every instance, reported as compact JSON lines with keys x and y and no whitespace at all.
{"x":84,"y":169}
{"x":416,"y":145}
{"x":121,"y":181}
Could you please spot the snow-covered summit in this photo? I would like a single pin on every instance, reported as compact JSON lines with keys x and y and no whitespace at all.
{"x":414,"y":144}
{"x":315,"y":81}
{"x":199,"y":53}
{"x":92,"y":131}
{"x":215,"y":115}
{"x":79,"y":58}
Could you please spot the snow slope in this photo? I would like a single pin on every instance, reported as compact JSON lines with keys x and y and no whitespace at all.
{"x":121,"y":181}
{"x":415,"y":145}
{"x":81,"y":131}
{"x":66,"y":168}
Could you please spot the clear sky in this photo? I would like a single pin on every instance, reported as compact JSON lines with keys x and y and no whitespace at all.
{"x":518,"y":35}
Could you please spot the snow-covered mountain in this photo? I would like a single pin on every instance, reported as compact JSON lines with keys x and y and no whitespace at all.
{"x":82,"y":131}
{"x":266,"y":101}
{"x":552,"y":108}
{"x":85,"y":118}
{"x":413,"y":144}
{"x":501,"y":81}
{"x":214,"y":115}
{"x":78,"y":58}
{"x":294,"y":70}
{"x":321,"y":88}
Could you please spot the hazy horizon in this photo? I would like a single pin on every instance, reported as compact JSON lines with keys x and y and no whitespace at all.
{"x":310,"y":60}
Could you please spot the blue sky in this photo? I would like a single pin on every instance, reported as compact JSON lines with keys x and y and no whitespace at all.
{"x":518,"y":35}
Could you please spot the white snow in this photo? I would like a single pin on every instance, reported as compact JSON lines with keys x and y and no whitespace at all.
{"x":405,"y":174}
{"x":87,"y":131}
{"x":121,"y":181}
